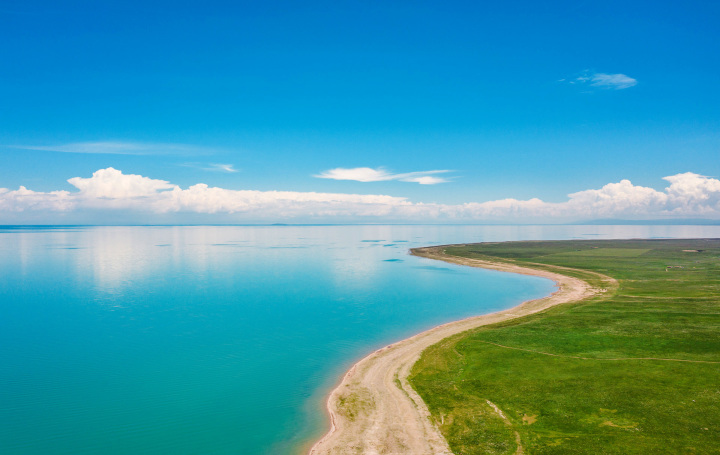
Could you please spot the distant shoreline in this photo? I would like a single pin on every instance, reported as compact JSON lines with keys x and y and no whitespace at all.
{"x":375,"y":410}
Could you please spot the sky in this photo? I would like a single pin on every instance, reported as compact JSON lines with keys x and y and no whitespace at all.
{"x":133,"y":112}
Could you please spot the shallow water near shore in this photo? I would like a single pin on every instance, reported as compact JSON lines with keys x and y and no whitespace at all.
{"x":222,"y":339}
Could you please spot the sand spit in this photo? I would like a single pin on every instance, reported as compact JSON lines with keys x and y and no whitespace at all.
{"x":374,"y":410}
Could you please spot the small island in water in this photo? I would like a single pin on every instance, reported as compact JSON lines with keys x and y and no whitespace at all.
{"x":623,"y":358}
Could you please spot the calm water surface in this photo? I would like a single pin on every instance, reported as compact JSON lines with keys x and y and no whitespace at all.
{"x":222,"y":340}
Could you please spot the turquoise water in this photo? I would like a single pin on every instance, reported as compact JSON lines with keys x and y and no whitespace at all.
{"x":221,"y":340}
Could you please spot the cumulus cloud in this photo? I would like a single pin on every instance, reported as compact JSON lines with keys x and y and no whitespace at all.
{"x":366,"y":174}
{"x":617,"y":81}
{"x":23,"y":199}
{"x":113,"y":184}
{"x":693,"y":192}
{"x":687,"y":195}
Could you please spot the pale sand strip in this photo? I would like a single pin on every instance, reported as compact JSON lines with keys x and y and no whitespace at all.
{"x":374,"y":410}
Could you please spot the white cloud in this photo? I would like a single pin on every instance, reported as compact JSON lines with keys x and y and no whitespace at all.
{"x":119,"y":148}
{"x":113,"y":184}
{"x":366,"y":174}
{"x":212,"y":167}
{"x":693,"y":192}
{"x":22,"y":199}
{"x":604,"y":80}
{"x":613,"y":81}
{"x":687,"y":195}
{"x":204,"y":199}
{"x":424,"y":180}
{"x":221,"y":167}
{"x":359,"y":174}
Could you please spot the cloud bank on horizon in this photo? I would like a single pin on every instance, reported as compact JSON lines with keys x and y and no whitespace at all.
{"x":687,"y":195}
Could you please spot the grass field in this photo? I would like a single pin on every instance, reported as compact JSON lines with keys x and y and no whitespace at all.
{"x":635,"y":370}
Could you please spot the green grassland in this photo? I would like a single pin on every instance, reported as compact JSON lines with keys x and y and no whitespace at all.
{"x":635,"y":370}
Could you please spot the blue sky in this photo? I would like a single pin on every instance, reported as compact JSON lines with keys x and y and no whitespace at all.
{"x":516,"y":100}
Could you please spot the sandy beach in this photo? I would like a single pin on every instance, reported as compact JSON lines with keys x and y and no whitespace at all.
{"x":374,"y":410}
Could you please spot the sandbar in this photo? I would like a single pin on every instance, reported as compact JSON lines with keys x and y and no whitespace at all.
{"x":374,"y":410}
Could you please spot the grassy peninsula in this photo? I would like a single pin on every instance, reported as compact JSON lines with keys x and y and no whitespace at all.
{"x":634,"y":369}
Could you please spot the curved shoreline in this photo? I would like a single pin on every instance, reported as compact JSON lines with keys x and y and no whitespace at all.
{"x":374,"y":410}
